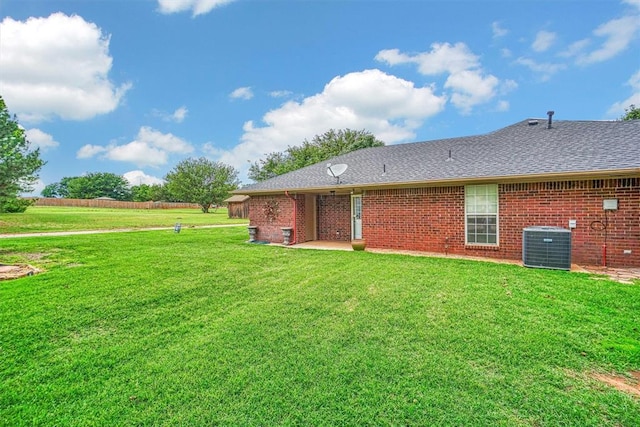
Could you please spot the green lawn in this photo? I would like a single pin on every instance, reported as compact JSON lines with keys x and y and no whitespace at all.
{"x":44,"y":219}
{"x":201,"y":328}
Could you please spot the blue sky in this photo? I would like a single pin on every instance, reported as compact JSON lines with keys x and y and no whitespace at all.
{"x":133,"y":87}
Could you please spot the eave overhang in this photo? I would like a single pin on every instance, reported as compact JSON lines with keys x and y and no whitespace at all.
{"x":348,"y":188}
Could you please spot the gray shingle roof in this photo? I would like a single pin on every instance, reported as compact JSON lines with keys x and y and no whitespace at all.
{"x":520,"y":150}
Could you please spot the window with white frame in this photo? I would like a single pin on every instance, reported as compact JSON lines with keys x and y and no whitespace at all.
{"x":481,"y":214}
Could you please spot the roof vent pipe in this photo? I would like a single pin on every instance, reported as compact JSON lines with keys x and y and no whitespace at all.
{"x":550,"y":114}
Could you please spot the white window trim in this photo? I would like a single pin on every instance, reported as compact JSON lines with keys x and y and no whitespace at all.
{"x":466,"y":233}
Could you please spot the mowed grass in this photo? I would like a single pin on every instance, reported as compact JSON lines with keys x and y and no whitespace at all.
{"x":52,"y":219}
{"x":201,"y":328}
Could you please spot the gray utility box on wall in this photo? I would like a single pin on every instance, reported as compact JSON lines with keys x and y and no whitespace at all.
{"x":546,"y":247}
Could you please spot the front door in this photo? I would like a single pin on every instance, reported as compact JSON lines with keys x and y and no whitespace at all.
{"x":356,"y":215}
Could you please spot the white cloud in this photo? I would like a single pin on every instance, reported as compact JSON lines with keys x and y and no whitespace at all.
{"x":89,"y":150}
{"x":498,"y":31}
{"x":468,"y":83}
{"x":41,"y":139}
{"x":392,"y":115}
{"x":617,"y":109}
{"x":165,"y":141}
{"x":635,"y":3}
{"x":211,"y":150}
{"x":502,"y":106}
{"x":177,"y":116}
{"x":180,"y":114}
{"x":543,"y":41}
{"x":443,"y":58}
{"x":198,"y":7}
{"x":575,"y":48}
{"x":150,"y":148}
{"x":280,"y":93}
{"x":470,"y":88}
{"x":137,"y":152}
{"x":507,"y":86}
{"x":242,"y":93}
{"x":57,"y":66}
{"x":138,"y":177}
{"x":618,"y":34}
{"x":544,"y":70}
{"x":393,"y":57}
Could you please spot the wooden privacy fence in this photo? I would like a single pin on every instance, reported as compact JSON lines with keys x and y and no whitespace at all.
{"x":106,"y":203}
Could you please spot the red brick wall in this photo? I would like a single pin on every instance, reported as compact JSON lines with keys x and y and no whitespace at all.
{"x":300,"y":226}
{"x":269,"y":213}
{"x":334,"y":218}
{"x":432,"y":219}
{"x":419,"y":219}
{"x":555,"y":203}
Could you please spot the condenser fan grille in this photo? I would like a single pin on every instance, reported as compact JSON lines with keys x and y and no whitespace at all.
{"x":546,"y":247}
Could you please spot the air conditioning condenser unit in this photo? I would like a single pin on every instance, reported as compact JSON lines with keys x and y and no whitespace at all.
{"x":546,"y":247}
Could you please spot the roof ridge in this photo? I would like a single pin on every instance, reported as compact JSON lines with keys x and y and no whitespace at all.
{"x":570,"y":148}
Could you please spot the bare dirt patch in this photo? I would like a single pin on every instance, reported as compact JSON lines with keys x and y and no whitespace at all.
{"x":625,"y":384}
{"x":36,"y":256}
{"x":8,"y":272}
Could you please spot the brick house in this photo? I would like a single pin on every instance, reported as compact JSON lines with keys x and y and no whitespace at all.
{"x":471,"y":195}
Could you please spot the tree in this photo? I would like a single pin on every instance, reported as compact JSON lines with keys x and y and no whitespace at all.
{"x":322,"y":147}
{"x":631,"y":113}
{"x":51,"y":190}
{"x":90,"y":186}
{"x":99,"y":184}
{"x":275,"y":164}
{"x":160,"y":192}
{"x":19,"y":166}
{"x":141,"y":193}
{"x":58,"y":189}
{"x":201,"y":181}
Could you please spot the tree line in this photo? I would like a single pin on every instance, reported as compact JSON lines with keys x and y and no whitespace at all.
{"x":200,"y":181}
{"x":208,"y":183}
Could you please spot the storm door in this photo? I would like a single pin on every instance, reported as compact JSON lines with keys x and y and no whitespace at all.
{"x":356,"y":215}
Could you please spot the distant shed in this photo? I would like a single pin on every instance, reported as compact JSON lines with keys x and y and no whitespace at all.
{"x":238,"y":206}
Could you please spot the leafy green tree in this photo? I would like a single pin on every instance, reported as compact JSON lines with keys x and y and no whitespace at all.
{"x":58,"y":189}
{"x":90,"y":186}
{"x":322,"y":147}
{"x":141,"y":193}
{"x":19,"y":166}
{"x":631,"y":113}
{"x":160,"y":192}
{"x":201,"y":181}
{"x":51,"y":190}
{"x":276,"y":163}
{"x":99,"y":184}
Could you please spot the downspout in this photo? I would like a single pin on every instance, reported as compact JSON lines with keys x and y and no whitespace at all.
{"x":295,"y":217}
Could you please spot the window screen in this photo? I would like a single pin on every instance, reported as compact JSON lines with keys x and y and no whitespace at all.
{"x":481,"y":214}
